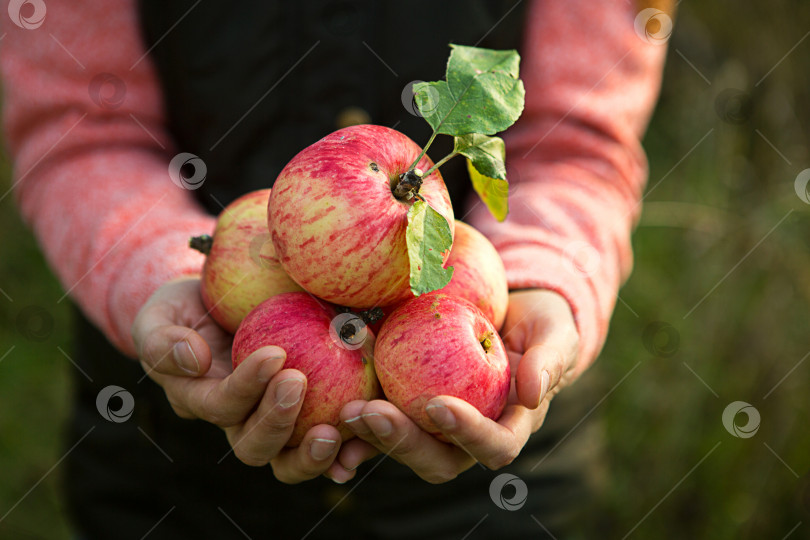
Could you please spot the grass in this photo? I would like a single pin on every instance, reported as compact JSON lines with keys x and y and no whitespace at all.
{"x":721,"y":258}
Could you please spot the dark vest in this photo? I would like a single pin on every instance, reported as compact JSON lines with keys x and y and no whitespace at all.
{"x":247,"y":85}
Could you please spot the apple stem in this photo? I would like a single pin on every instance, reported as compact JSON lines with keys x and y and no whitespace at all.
{"x":486,"y":342}
{"x":441,"y":162}
{"x":408,"y":185}
{"x":350,"y":327}
{"x":418,"y":159}
{"x":348,"y":330}
{"x":201,"y":243}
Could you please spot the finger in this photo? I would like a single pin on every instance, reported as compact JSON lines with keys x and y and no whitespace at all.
{"x":313,"y":457}
{"x":227,"y":402}
{"x":548,"y":359}
{"x":266,"y":432}
{"x":171,"y":349}
{"x":354,"y":453}
{"x":338,"y":473}
{"x":494,"y":444}
{"x":393,"y":433}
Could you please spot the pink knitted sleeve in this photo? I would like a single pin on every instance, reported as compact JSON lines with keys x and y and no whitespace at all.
{"x":83,"y":120}
{"x":574,"y":158}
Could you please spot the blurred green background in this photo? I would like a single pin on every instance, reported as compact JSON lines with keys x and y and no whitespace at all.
{"x":716,"y":310}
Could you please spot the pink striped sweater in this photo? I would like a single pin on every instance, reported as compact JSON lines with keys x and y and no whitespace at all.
{"x":93,"y":182}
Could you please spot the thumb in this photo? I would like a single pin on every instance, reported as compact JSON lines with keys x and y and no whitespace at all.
{"x":166,"y":347}
{"x":547,"y":359}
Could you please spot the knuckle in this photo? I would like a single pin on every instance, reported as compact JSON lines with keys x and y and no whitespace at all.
{"x":248,"y":456}
{"x":283,"y":476}
{"x":439,"y":476}
{"x":180,"y":411}
{"x":502,"y":459}
{"x":216,"y":417}
{"x":275,"y":424}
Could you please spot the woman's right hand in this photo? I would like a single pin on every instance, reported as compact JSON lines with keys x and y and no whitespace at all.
{"x":183,"y":350}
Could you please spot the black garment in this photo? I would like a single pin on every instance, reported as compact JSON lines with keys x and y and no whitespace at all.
{"x":296,"y":65}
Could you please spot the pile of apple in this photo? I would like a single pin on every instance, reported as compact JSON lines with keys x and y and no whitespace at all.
{"x":354,"y":264}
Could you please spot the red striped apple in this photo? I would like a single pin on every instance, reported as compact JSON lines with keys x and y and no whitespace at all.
{"x":336,"y":224}
{"x":439,"y":344}
{"x":241,"y":268}
{"x":478,"y":273}
{"x":335,"y":351}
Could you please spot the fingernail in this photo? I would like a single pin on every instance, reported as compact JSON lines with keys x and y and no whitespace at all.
{"x":320,"y":449}
{"x":269,"y":368}
{"x":185,"y":358}
{"x":544,"y":382}
{"x":379,"y":424}
{"x":355,"y":426}
{"x":288,"y":392}
{"x":441,"y":415}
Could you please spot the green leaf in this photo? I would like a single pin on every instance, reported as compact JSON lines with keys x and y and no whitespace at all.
{"x":493,"y":191}
{"x":482,"y":94}
{"x":428,"y":236}
{"x":487,"y":154}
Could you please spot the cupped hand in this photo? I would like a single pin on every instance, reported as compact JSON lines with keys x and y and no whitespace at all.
{"x":183,"y":350}
{"x":542,"y":342}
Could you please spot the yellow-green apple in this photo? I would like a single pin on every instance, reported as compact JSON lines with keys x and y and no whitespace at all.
{"x":241,"y":268}
{"x":478,"y":273}
{"x":440,"y":344}
{"x":338,"y":226}
{"x":334,"y":350}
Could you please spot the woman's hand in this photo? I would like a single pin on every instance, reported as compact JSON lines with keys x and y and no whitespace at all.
{"x":184,"y":351}
{"x":542,"y":343}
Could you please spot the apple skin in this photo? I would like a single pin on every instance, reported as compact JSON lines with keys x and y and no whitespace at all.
{"x":478,"y":273}
{"x":335,"y":223}
{"x":431,"y":346}
{"x":241,"y":269}
{"x":336,"y":374}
